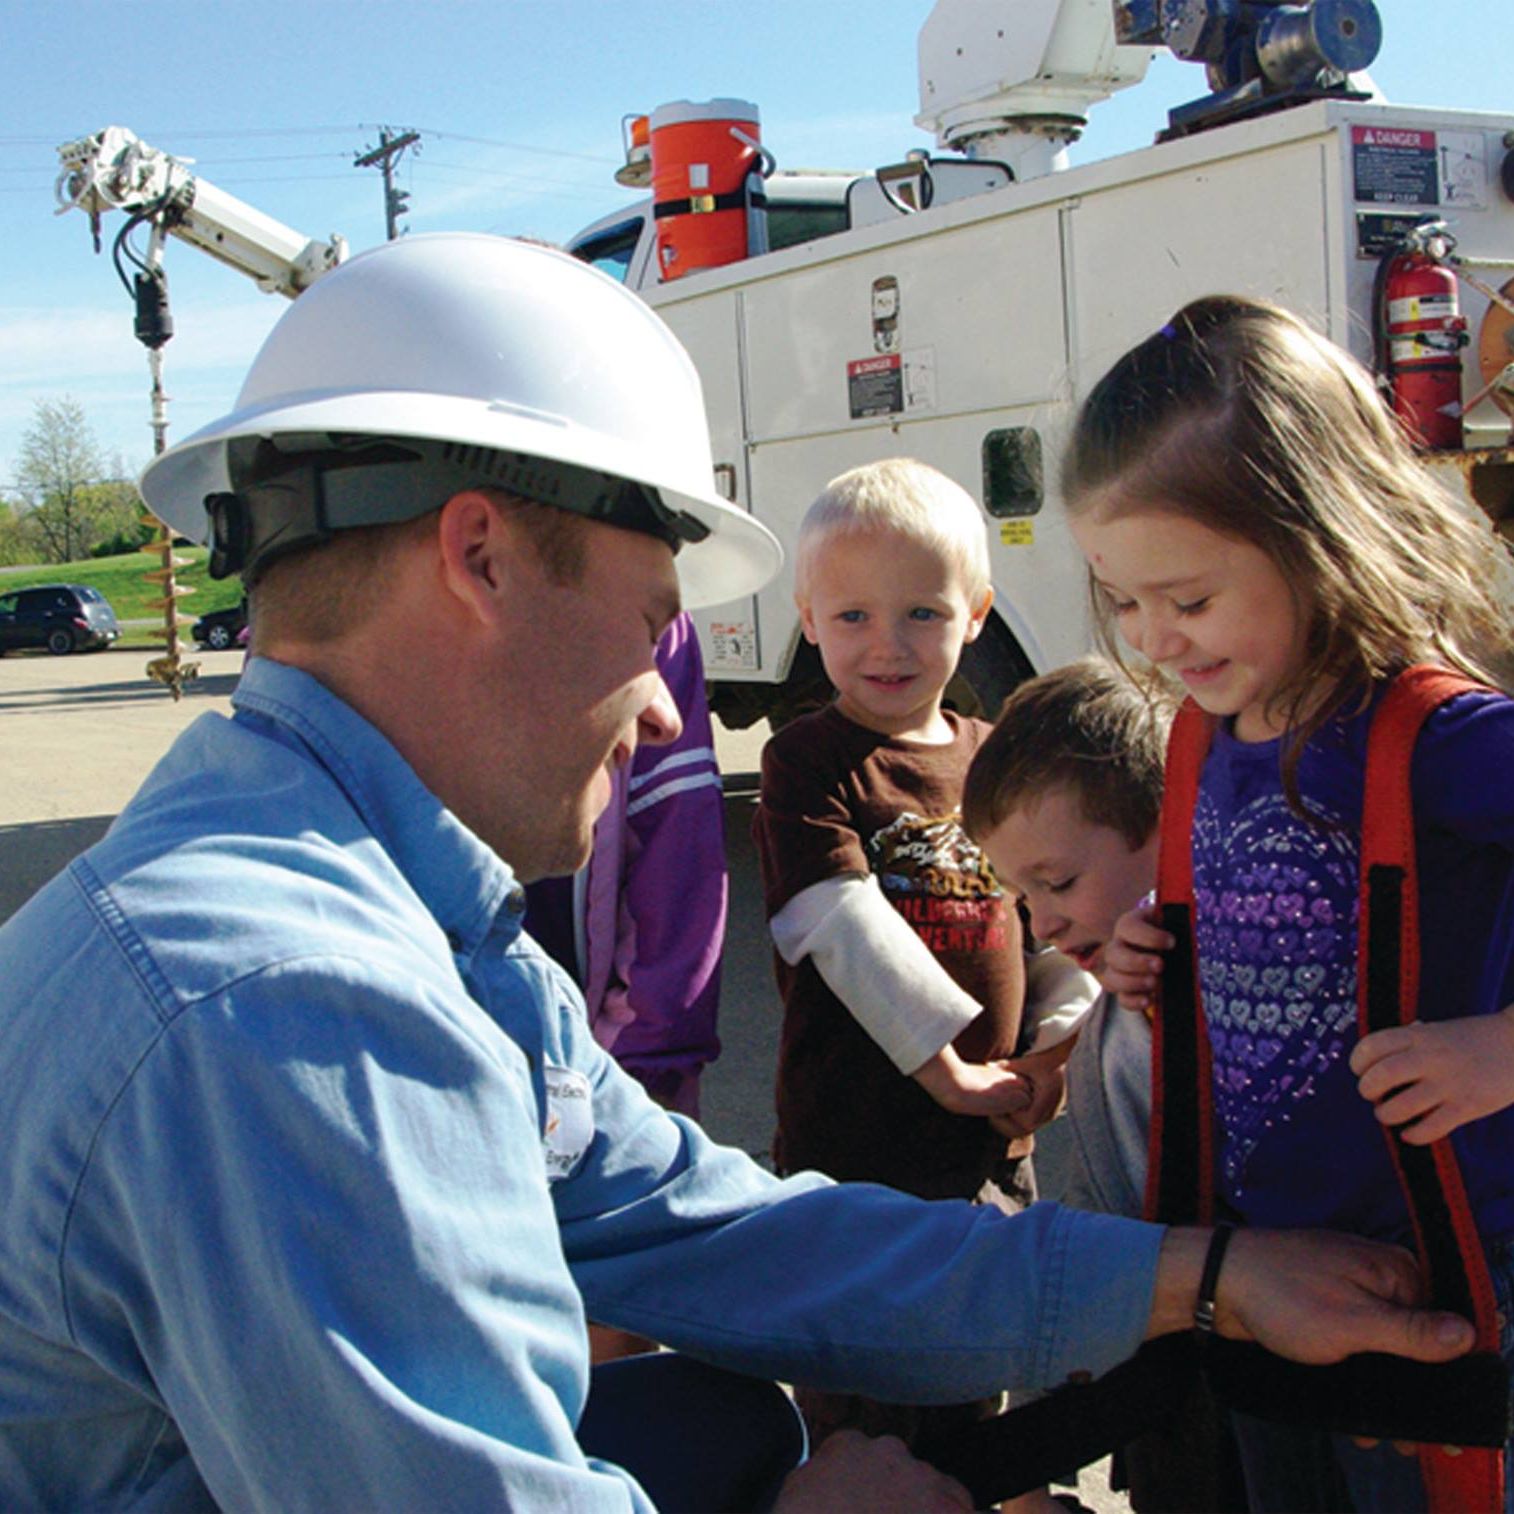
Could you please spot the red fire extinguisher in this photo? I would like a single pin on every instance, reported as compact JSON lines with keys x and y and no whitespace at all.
{"x":1422,"y":334}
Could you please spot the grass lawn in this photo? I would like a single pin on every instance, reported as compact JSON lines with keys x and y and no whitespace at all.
{"x":121,"y":581}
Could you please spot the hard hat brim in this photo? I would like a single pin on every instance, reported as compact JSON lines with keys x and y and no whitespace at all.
{"x":738,"y":557}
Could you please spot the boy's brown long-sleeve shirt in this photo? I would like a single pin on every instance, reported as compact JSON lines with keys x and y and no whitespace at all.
{"x":839,"y":800}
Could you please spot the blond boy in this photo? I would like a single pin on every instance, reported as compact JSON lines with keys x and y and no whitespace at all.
{"x":900,"y":964}
{"x":900,"y":961}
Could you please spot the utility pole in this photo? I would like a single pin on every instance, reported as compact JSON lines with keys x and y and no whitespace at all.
{"x":389,"y":151}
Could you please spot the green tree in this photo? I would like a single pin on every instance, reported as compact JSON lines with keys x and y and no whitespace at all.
{"x":118,"y":513}
{"x":58,"y":474}
{"x":17,"y":544}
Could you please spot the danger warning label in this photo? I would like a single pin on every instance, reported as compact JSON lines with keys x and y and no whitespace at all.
{"x":892,"y":383}
{"x":875,"y":385}
{"x":1394,"y":166}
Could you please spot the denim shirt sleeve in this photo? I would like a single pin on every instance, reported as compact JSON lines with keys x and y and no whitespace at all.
{"x":852,"y":1287}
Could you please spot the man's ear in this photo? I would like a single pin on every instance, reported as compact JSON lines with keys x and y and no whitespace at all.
{"x":979,"y":615}
{"x":471,"y":542}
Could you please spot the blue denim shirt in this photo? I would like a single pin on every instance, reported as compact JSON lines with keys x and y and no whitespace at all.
{"x":312,"y":1170}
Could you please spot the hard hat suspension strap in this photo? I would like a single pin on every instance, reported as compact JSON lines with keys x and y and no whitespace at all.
{"x":290,"y":492}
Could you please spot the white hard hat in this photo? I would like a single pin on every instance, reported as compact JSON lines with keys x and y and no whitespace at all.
{"x":492,"y":360}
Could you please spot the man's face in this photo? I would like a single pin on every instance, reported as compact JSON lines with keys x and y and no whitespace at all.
{"x":580,"y":690}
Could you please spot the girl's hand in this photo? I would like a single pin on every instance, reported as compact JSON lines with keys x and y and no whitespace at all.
{"x":983,"y":1088}
{"x":1432,"y":1077}
{"x":1131,"y":964}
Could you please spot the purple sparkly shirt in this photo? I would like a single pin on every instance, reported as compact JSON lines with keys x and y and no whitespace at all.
{"x":1296,"y":1144}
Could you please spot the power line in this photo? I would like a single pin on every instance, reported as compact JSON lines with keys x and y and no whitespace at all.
{"x":166,"y":133}
{"x":215,"y":134}
{"x":504,"y":174}
{"x":278,"y":157}
{"x":225,"y":183}
{"x":546,"y":152}
{"x":235,"y":181}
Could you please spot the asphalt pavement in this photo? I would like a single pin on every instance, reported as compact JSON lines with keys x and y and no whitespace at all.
{"x":78,"y":734}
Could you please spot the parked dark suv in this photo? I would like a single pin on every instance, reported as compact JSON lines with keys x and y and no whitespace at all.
{"x":219,"y":629}
{"x":61,"y":617}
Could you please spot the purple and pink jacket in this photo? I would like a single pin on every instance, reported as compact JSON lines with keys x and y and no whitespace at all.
{"x":641,"y":926}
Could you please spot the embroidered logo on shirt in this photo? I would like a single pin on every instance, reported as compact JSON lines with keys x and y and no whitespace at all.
{"x":570,"y":1120}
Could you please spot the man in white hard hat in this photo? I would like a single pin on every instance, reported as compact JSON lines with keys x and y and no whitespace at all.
{"x":312,"y":1169}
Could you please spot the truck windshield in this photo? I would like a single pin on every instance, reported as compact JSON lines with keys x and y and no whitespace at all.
{"x":793,"y":221}
{"x":611,"y":250}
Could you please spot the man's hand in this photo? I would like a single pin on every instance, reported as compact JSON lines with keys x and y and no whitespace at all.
{"x":1132,"y":960}
{"x":851,"y":1471}
{"x":1434,"y":1076}
{"x":1310,"y":1295}
{"x":986,"y":1088}
{"x":1045,"y":1075}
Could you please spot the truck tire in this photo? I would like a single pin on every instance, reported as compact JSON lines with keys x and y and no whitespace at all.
{"x":991,"y":668}
{"x":805,"y":689}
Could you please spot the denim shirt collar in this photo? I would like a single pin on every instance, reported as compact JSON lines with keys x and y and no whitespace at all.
{"x":463,"y":884}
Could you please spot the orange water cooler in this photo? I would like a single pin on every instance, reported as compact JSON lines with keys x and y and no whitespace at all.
{"x":708,"y":165}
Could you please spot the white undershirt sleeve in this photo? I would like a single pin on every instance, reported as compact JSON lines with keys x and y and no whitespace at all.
{"x":872,"y":960}
{"x":1058,"y":993}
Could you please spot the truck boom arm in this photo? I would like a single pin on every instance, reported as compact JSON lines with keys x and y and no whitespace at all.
{"x":115,"y":170}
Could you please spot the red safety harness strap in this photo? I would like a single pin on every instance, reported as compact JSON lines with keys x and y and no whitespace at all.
{"x":1450,"y":1251}
{"x":1180,"y":1184}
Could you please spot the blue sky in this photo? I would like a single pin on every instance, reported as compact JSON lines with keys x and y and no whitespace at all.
{"x":519,"y":103}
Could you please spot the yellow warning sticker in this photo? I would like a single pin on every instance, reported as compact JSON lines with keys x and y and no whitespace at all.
{"x":1017,"y":533}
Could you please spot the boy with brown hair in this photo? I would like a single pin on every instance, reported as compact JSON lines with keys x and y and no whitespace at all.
{"x":1065,"y":797}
